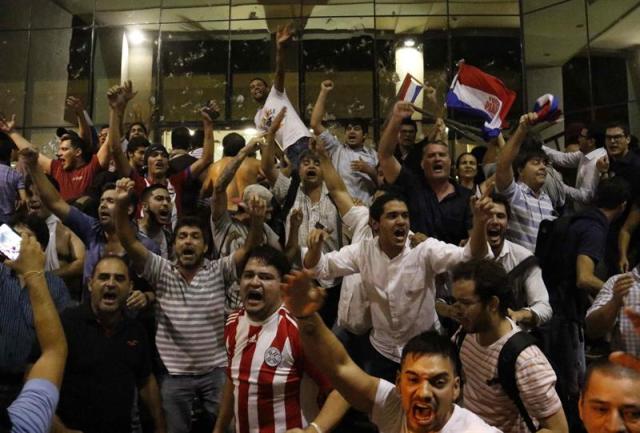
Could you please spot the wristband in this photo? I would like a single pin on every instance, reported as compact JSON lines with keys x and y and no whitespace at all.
{"x":316,"y":427}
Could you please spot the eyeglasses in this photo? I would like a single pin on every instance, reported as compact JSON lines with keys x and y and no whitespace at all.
{"x":617,"y":137}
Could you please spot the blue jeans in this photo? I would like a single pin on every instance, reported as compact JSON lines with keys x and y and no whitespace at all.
{"x":294,"y":151}
{"x":179,"y":392}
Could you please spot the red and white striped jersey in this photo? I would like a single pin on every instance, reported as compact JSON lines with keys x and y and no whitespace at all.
{"x":267,"y":367}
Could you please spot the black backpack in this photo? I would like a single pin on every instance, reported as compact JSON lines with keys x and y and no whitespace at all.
{"x":517,"y":277}
{"x":507,"y":369}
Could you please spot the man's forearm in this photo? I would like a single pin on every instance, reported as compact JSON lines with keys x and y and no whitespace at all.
{"x":331,"y":412}
{"x":113,"y":142}
{"x":318,"y":112}
{"x":388,"y":141}
{"x":280,"y":60}
{"x":478,"y":240}
{"x":150,"y":394}
{"x":602,"y":320}
{"x":312,"y":258}
{"x":229,"y":171}
{"x":225,"y":414}
{"x":45,"y":316}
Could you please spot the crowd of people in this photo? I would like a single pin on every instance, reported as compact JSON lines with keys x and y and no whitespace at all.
{"x":303,"y":283}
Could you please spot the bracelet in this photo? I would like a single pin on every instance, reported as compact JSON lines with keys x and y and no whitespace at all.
{"x":30,"y":273}
{"x":316,"y":427}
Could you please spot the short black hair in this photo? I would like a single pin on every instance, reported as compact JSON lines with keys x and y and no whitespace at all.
{"x":144,"y":128}
{"x":308,"y":154}
{"x":490,"y":280}
{"x":197,"y":139}
{"x":136,"y":143}
{"x":524,"y":157}
{"x":34,"y":223}
{"x":111,"y":257}
{"x":259,"y":79}
{"x":409,"y":121}
{"x":621,"y":125}
{"x":432,"y":343}
{"x":150,"y":189}
{"x":232,"y":144}
{"x":191,"y":221}
{"x":611,"y":193}
{"x":270,"y":256}
{"x":6,"y":146}
{"x":77,"y":143}
{"x":180,"y":138}
{"x":608,"y":368}
{"x":503,"y":200}
{"x":357,"y":121}
{"x":377,"y":207}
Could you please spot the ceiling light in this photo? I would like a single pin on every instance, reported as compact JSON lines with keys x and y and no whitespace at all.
{"x":136,"y":37}
{"x":409,"y":43}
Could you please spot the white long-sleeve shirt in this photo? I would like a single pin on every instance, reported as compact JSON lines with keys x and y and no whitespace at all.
{"x":401,"y":290}
{"x":587,"y":178}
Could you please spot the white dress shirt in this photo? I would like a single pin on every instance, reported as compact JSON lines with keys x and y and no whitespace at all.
{"x":537,"y":295}
{"x":401,"y":290}
{"x":587,"y":178}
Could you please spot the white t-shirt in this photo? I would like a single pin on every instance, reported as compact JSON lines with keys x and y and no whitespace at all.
{"x":387,"y":414}
{"x":291,"y":129}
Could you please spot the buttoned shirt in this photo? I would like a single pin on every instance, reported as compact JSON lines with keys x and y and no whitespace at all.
{"x":401,"y":289}
{"x":527,"y":212}
{"x":587,"y":177}
{"x":359,"y":184}
{"x":509,"y":257}
{"x":190,"y":315}
{"x":624,"y":336}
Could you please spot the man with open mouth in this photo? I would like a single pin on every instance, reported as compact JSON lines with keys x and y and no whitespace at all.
{"x":189,"y":307}
{"x":398,"y":280}
{"x":427,"y":382}
{"x":109,"y":359}
{"x":438,"y":205}
{"x":156,"y":217}
{"x":267,"y":365}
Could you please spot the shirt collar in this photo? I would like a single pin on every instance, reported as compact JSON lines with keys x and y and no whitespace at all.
{"x":529,"y":191}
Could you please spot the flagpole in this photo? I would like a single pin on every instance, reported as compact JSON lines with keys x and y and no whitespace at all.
{"x":464,"y":130}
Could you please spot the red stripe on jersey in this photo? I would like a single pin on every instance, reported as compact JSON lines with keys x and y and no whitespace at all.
{"x":230,"y":338}
{"x":265,"y":383}
{"x":292,"y":387}
{"x":243,"y":380}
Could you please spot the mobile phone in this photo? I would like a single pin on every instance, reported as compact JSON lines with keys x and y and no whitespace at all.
{"x":213,"y":115}
{"x":9,"y":242}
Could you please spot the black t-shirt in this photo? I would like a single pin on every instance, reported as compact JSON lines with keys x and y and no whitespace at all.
{"x":103,"y":369}
{"x":448,"y":220}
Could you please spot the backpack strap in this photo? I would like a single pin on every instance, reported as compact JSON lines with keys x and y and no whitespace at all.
{"x":290,"y":198}
{"x":507,"y":371}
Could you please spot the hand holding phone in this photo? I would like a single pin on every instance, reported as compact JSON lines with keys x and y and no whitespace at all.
{"x":9,"y":242}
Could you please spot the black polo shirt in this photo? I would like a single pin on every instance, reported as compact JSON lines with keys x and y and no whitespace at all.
{"x":628,"y":168}
{"x":448,"y":220}
{"x":103,"y":369}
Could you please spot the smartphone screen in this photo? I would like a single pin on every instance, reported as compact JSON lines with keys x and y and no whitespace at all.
{"x":9,"y":242}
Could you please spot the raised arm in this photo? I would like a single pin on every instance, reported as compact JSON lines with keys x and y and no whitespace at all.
{"x":602,"y":319}
{"x":319,"y":108}
{"x":136,"y":251}
{"x":386,"y":148}
{"x":219,"y":202}
{"x":118,"y":97}
{"x":483,"y":211}
{"x":8,"y":126}
{"x":504,"y":164}
{"x":257,"y":208}
{"x":53,"y":344}
{"x":303,"y":301}
{"x":333,"y":181}
{"x":49,"y":195}
{"x":268,"y":161}
{"x":84,"y":128}
{"x":206,"y":158}
{"x":283,"y":35}
{"x":292,"y":248}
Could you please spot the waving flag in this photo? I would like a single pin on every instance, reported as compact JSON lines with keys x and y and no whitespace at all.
{"x":547,"y":108}
{"x":481,"y":94}
{"x":410,"y":89}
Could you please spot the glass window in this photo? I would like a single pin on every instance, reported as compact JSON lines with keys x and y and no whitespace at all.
{"x":13,"y":49}
{"x":58,"y":67}
{"x":126,"y":12}
{"x":45,"y":139}
{"x":193,"y":12}
{"x":394,"y":8}
{"x":500,"y":7}
{"x":194,"y":69}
